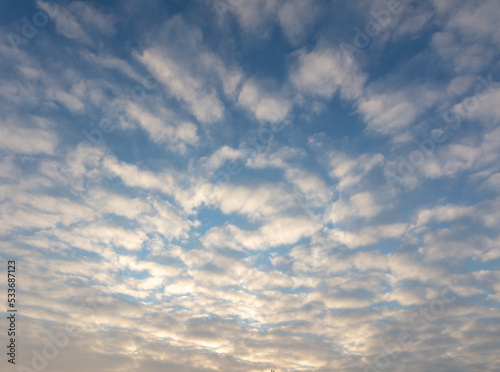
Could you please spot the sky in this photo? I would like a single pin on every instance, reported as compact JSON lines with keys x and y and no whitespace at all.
{"x":251,"y":185}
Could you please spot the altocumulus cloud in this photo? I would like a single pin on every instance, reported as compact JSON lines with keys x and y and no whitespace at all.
{"x":251,"y":185}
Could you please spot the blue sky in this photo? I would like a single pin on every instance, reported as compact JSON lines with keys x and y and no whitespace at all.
{"x":297,"y":185}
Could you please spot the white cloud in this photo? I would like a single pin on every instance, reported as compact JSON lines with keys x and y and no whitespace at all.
{"x":466,"y":39}
{"x":18,"y":138}
{"x":258,"y":279}
{"x":80,"y":21}
{"x":368,"y":235}
{"x":472,"y":154}
{"x":279,"y":231}
{"x":164,"y":127}
{"x":493,"y":182}
{"x":201,"y":101}
{"x":392,"y":110}
{"x":230,"y":77}
{"x":359,"y":205}
{"x":388,"y":112}
{"x":307,"y":183}
{"x":446,"y":244}
{"x":132,"y":176}
{"x":483,"y":106}
{"x":351,"y":170}
{"x":107,"y":202}
{"x":444,"y":213}
{"x":264,"y":105}
{"x":296,"y":17}
{"x":324,"y":71}
{"x":310,"y":185}
{"x":112,"y":62}
{"x":190,"y":71}
{"x":253,"y":15}
{"x":221,"y":156}
{"x":255,"y":202}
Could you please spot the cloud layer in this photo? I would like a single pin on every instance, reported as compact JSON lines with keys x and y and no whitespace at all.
{"x":246,"y":186}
